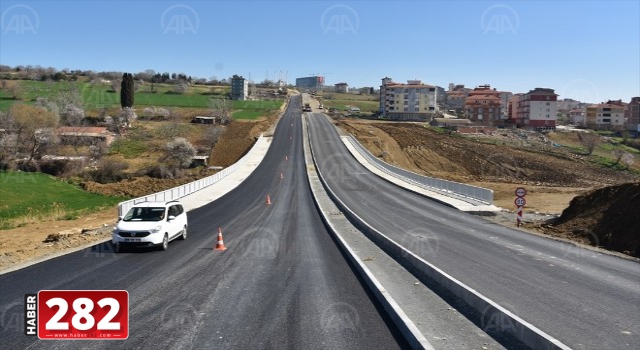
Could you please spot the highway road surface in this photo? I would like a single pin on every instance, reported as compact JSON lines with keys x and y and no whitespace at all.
{"x":585,"y":299}
{"x":282,"y":283}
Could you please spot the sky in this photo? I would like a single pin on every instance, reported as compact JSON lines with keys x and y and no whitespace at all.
{"x":586,"y":50}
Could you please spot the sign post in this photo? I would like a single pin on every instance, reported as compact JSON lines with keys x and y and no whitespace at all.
{"x":520,"y":203}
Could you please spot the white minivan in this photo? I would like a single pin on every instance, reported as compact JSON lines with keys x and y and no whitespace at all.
{"x":150,"y":224}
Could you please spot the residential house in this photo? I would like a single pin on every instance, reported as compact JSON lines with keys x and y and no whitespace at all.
{"x":85,"y":135}
{"x":342,"y":88}
{"x":578,"y":117}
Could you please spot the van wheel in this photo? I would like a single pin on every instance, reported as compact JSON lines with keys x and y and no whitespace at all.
{"x":183,"y":236}
{"x":165,"y":242}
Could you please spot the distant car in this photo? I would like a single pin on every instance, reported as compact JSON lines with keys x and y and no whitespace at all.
{"x":320,"y":107}
{"x":150,"y":224}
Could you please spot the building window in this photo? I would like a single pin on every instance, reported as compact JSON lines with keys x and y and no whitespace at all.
{"x":406,"y":109}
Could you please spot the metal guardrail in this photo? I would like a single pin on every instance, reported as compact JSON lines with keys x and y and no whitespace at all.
{"x":189,"y":188}
{"x":447,"y":187}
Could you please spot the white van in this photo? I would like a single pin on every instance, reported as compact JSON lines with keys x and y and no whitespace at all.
{"x":150,"y":224}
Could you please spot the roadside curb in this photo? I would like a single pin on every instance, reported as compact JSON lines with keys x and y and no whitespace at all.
{"x":408,"y":329}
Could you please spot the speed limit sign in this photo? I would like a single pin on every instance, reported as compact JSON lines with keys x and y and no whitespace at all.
{"x":520,"y":202}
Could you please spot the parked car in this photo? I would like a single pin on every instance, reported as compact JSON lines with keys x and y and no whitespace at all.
{"x":150,"y":224}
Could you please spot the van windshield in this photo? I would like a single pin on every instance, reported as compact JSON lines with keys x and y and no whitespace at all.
{"x":145,"y":214}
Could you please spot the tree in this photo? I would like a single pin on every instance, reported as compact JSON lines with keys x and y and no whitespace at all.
{"x":127,"y":90}
{"x":179,"y":153}
{"x":220,"y":109}
{"x":589,"y":141}
{"x":126,"y":117}
{"x":181,"y":87}
{"x":212,"y":136}
{"x":33,"y":127}
{"x":12,"y":88}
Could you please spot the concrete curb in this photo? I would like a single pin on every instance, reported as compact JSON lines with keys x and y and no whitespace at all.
{"x":408,"y":329}
{"x":414,"y":187}
{"x":508,"y":323}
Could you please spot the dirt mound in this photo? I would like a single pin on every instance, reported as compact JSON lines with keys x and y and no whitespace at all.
{"x":417,"y":148}
{"x":606,"y":217}
{"x":238,"y":138}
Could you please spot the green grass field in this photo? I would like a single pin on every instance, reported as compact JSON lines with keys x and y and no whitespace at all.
{"x":28,"y":197}
{"x":97,"y":96}
{"x":365,"y":106}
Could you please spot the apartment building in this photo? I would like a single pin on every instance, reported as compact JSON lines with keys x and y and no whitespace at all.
{"x":483,"y":106}
{"x":514,"y":101}
{"x":633,"y":116}
{"x":606,"y":116}
{"x":537,"y":109}
{"x":239,"y":88}
{"x":411,"y":101}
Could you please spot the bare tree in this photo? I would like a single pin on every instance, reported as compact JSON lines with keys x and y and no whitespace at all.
{"x":220,"y":109}
{"x":212,"y":135}
{"x":171,"y":129}
{"x":48,"y":104}
{"x":98,"y":149}
{"x":33,"y":127}
{"x":589,"y":141}
{"x":126,"y":116}
{"x":179,"y":153}
{"x":115,"y":84}
{"x":13,"y":89}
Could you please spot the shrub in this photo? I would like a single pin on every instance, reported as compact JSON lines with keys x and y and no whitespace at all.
{"x":109,"y":170}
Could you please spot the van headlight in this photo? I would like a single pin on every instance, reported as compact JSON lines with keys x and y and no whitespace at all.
{"x":156,"y":229}
{"x":115,"y":230}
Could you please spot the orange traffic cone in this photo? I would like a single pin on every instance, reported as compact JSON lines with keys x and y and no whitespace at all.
{"x":220,"y":242}
{"x":268,"y":200}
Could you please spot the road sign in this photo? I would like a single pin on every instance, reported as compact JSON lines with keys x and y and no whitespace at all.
{"x":520,"y":202}
{"x":519,"y":216}
{"x":521,"y":192}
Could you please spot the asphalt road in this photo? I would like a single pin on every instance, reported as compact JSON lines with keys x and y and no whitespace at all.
{"x":282,"y":283}
{"x":585,"y":299}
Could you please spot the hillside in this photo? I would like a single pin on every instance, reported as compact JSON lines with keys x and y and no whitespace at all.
{"x":552,"y":175}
